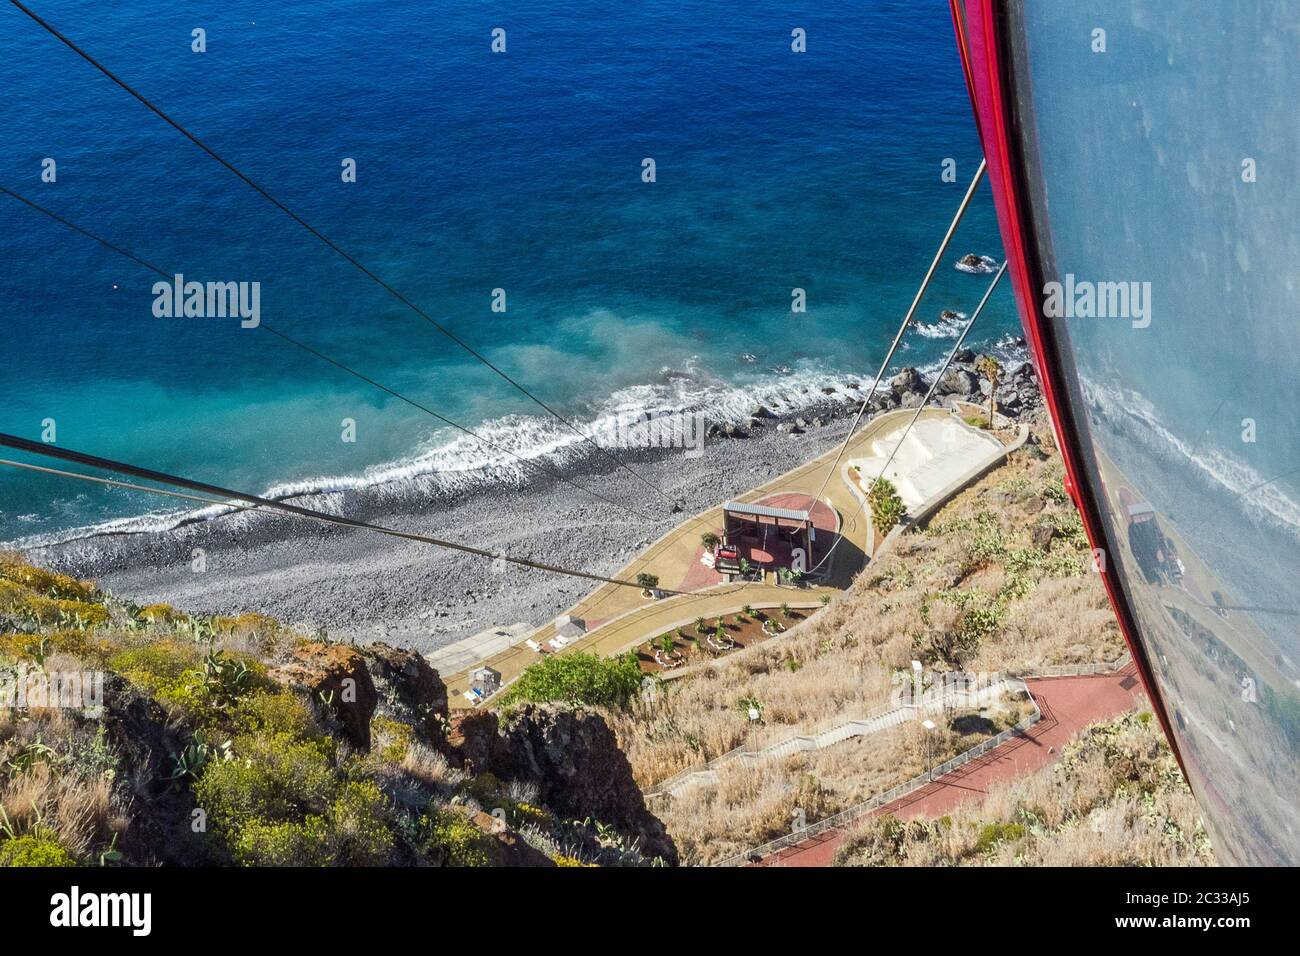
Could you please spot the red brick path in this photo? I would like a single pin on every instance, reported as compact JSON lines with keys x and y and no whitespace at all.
{"x":1069,"y":704}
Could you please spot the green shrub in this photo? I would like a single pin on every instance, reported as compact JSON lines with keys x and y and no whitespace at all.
{"x":33,"y":850}
{"x":160,"y":614}
{"x":448,"y":838}
{"x":157,"y":665}
{"x":390,"y":739}
{"x":358,"y":832}
{"x":272,"y":776}
{"x":48,"y":583}
{"x":66,"y":612}
{"x":994,"y":833}
{"x":578,"y":679}
{"x":270,"y":843}
{"x":280,"y":803}
{"x":272,"y":712}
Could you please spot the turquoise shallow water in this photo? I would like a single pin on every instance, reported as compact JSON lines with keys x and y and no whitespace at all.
{"x":475,"y":172}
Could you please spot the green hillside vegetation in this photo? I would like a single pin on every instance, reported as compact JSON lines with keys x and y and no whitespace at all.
{"x":203,"y":756}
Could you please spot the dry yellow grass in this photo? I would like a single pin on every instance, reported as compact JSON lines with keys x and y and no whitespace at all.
{"x":56,"y":781}
{"x":1115,"y":798}
{"x":997,"y":581}
{"x":751,"y":805}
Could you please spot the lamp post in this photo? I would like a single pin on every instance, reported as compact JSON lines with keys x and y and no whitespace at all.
{"x":929,"y":746}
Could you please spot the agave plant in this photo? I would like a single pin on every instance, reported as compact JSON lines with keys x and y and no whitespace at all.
{"x":225,"y":678}
{"x":39,"y":650}
{"x":189,"y":763}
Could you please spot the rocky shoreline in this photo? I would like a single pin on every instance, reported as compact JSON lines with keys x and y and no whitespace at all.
{"x":363,"y":586}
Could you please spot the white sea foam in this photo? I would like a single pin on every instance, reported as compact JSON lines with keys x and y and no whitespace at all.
{"x":948,"y":326}
{"x":449,"y":461}
{"x":985,"y":265}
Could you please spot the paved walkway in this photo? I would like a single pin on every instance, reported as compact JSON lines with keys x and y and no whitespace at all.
{"x":628,"y":618}
{"x":1068,"y":705}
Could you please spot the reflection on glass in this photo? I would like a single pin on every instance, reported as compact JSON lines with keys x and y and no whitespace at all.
{"x":1164,"y":174}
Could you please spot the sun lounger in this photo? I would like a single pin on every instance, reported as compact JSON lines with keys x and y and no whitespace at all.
{"x":534,"y":646}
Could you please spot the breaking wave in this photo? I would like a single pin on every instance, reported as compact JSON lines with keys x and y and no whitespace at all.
{"x":976,"y":265}
{"x":450,"y":462}
{"x":949,"y":326}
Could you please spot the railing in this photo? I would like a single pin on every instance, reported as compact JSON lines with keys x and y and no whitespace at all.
{"x":883,"y":799}
{"x":920,"y":780}
{"x":1083,"y":670}
{"x":835,"y":732}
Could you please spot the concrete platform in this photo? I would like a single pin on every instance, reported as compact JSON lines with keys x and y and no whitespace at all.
{"x":469,"y":651}
{"x":936,"y":452}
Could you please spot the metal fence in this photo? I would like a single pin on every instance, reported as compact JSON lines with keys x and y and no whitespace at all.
{"x":833,"y":732}
{"x":847,"y":816}
{"x":1082,"y":670}
{"x":882,"y":799}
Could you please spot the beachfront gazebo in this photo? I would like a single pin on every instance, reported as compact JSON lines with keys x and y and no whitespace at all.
{"x":766,"y":536}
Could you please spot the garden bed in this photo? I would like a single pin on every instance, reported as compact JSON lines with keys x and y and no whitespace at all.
{"x":715,"y":637}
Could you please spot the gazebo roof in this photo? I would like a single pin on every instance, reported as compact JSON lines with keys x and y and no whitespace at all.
{"x":765,"y":511}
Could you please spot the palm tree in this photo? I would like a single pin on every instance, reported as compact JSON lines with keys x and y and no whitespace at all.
{"x":988,"y":367}
{"x":699,"y":625}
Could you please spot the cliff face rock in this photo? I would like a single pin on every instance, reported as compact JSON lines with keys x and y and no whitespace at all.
{"x":580,"y":772}
{"x":408,"y":689}
{"x":475,"y":744}
{"x":510,"y":848}
{"x":337,"y":678}
{"x":139,"y":731}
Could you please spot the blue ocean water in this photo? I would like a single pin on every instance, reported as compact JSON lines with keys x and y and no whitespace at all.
{"x":475,"y":171}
